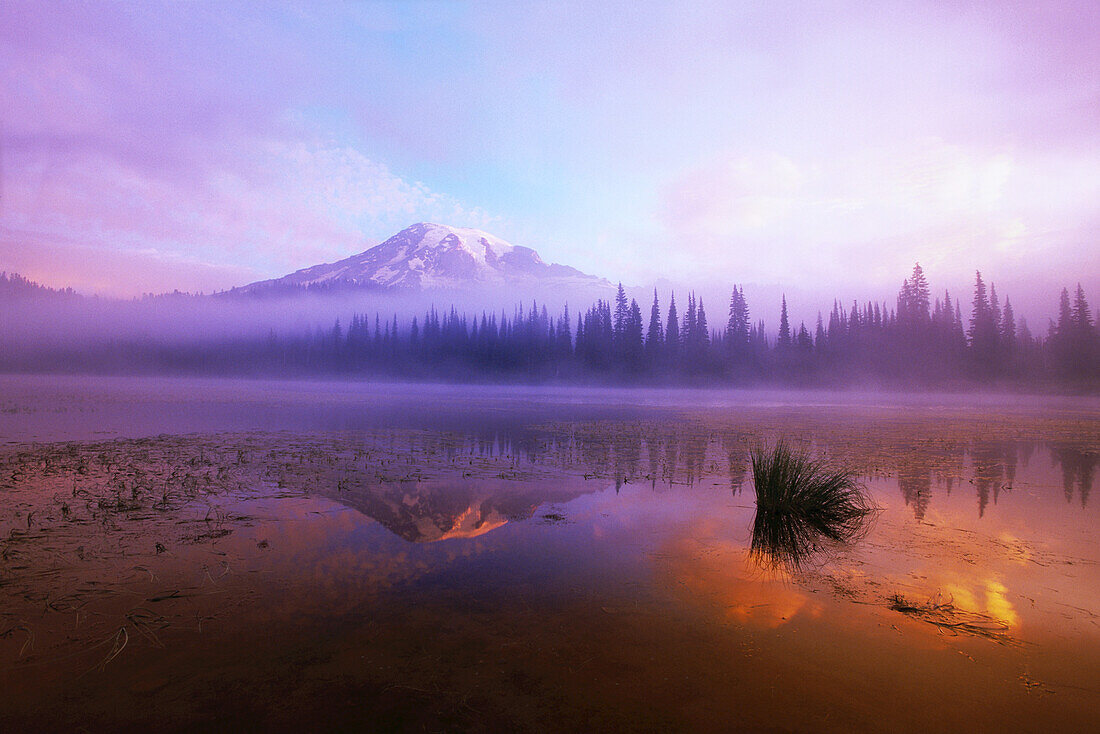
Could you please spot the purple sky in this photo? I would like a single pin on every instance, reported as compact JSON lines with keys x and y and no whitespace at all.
{"x":824,"y":146}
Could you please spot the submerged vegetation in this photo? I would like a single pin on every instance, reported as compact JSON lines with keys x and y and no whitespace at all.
{"x":943,"y":613}
{"x":801,"y":504}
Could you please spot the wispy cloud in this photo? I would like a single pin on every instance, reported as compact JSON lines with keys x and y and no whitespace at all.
{"x":277,"y":205}
{"x":869,"y":214}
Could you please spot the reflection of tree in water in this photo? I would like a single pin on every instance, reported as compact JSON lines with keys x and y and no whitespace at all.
{"x":695,"y":452}
{"x":1025,"y":450}
{"x":991,"y":460}
{"x":1012,"y":459}
{"x":595,"y":453}
{"x":679,"y":454}
{"x":993,"y":466}
{"x":952,"y":465}
{"x":738,"y":470}
{"x":1078,"y":470}
{"x":915,"y":483}
{"x":922,"y":466}
{"x":672,"y":455}
{"x":627,"y":447}
{"x":672,"y":446}
{"x":653,"y":453}
{"x":734,"y":449}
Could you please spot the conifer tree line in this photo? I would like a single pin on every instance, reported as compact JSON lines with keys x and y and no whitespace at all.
{"x":920,"y":338}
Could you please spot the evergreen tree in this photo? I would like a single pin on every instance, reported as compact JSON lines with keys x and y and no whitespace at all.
{"x":632,"y":336}
{"x":702,"y":331}
{"x":687,"y":329}
{"x":1082,"y":317}
{"x":1083,"y":345}
{"x":1008,"y":330}
{"x":983,"y":330}
{"x":958,"y":335}
{"x":803,"y":340}
{"x":655,"y":335}
{"x":737,"y":328}
{"x":784,"y":341}
{"x":995,"y":308}
{"x":918,"y":293}
{"x":672,"y":326}
{"x":565,"y":338}
{"x":1065,"y":317}
{"x":622,"y":310}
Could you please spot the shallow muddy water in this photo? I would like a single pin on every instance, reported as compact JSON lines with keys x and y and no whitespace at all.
{"x":209,"y":554}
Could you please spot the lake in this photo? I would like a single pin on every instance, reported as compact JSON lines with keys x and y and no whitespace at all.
{"x":228,"y":554}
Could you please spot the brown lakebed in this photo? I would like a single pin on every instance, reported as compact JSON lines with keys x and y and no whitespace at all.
{"x":270,"y":556}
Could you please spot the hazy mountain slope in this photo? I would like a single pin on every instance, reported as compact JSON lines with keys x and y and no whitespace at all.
{"x":429,"y":256}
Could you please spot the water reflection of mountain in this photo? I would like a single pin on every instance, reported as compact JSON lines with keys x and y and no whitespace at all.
{"x":424,"y":512}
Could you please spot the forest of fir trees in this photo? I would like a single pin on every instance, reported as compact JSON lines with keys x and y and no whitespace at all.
{"x":919,"y":339}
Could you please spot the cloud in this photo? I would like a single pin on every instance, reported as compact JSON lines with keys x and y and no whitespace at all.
{"x":276,"y":205}
{"x":735,"y":195}
{"x":110,"y":271}
{"x":871,"y":212}
{"x":190,"y":137}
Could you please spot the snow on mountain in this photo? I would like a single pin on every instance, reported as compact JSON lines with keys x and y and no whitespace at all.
{"x":428,"y":256}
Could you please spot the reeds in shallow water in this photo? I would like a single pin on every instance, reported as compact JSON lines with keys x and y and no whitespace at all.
{"x":802,"y":504}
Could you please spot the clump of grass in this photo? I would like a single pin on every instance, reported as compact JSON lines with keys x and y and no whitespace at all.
{"x":802,"y":504}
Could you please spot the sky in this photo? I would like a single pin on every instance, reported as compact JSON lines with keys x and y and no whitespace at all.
{"x":822,"y":147}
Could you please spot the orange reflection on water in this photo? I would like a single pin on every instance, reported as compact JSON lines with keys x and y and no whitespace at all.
{"x":988,"y":597}
{"x":703,"y":568}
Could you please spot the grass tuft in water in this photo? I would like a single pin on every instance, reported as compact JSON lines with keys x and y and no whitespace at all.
{"x":801,"y":504}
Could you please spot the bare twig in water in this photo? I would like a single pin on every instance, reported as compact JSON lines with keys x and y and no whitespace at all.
{"x":121,"y":638}
{"x":28,"y":644}
{"x":144,"y":621}
{"x":948,"y":618}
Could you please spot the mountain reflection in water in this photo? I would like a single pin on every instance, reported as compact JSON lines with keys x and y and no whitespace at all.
{"x":433,"y":510}
{"x":439,"y":506}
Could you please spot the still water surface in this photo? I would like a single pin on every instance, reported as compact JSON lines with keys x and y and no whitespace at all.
{"x":278,"y":555}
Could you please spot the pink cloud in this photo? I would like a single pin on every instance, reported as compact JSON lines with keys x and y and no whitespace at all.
{"x":295,"y":203}
{"x":868,"y":215}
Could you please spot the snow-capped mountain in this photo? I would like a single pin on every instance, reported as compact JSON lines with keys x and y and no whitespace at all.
{"x":437,"y":257}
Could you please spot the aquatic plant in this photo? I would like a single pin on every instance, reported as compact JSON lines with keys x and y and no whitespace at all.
{"x":802,"y":504}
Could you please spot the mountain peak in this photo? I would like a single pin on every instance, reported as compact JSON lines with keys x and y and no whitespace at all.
{"x":430,"y":256}
{"x":482,"y":246}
